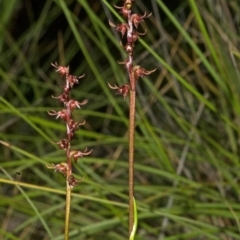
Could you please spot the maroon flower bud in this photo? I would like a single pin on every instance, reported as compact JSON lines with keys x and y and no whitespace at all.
{"x":72,"y":181}
{"x":129,"y":47}
{"x":141,"y":72}
{"x":72,"y":104}
{"x":77,"y":154}
{"x":136,"y":18}
{"x":62,"y":168}
{"x":72,"y":127}
{"x":61,"y":69}
{"x":59,"y":114}
{"x":122,"y":90}
{"x":122,"y":28}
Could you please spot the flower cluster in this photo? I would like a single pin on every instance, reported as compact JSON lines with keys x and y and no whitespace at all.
{"x":129,"y":31}
{"x":71,"y":126}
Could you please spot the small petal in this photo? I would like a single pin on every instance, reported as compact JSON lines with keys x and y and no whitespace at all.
{"x":50,"y":166}
{"x":127,"y":62}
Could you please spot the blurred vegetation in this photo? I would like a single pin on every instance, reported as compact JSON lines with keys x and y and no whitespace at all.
{"x":188,"y":120}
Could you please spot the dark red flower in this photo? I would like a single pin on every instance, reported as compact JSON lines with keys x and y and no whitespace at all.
{"x":141,"y":72}
{"x":77,"y":154}
{"x":136,"y":18}
{"x":61,"y":167}
{"x":122,"y":90}
{"x":122,"y":27}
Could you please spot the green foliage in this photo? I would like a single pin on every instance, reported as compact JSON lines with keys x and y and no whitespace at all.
{"x":188,"y":117}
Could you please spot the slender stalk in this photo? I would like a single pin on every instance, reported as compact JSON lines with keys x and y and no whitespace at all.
{"x":132,"y":109}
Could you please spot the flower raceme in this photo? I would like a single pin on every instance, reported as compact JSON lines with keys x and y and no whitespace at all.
{"x":71,"y":126}
{"x":127,"y":30}
{"x":130,"y":35}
